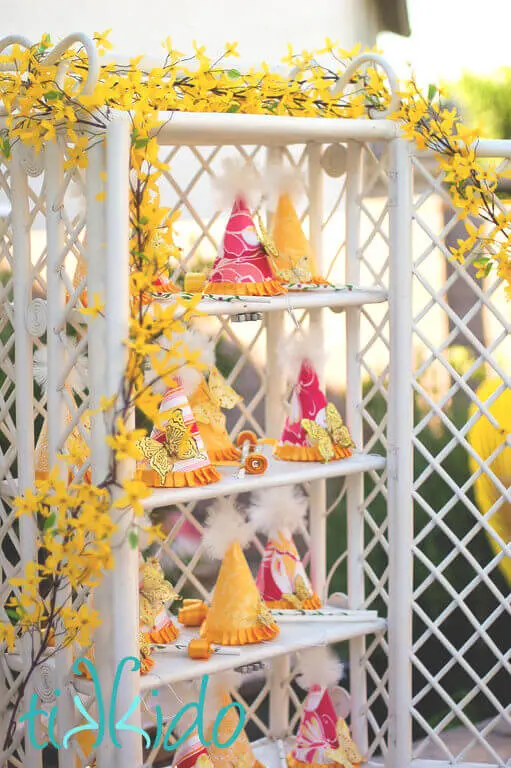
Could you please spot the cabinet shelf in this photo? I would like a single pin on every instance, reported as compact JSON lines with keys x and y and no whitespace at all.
{"x":337,"y":299}
{"x":278,"y":473}
{"x":174,"y":665}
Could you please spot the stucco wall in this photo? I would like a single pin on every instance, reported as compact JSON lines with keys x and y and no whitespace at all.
{"x":263,"y":27}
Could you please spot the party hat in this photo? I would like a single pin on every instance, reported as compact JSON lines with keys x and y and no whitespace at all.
{"x":294,"y":262}
{"x":218,"y":698}
{"x":323,"y":737}
{"x":192,"y":754}
{"x":206,"y":401}
{"x":281,"y":579}
{"x":314,"y":429}
{"x":175,"y":456}
{"x":242,"y":266}
{"x":154,"y":592}
{"x":206,"y":396}
{"x":237,"y":614}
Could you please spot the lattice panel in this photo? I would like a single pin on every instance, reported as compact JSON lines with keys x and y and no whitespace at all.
{"x":462,"y":613}
{"x":72,"y":379}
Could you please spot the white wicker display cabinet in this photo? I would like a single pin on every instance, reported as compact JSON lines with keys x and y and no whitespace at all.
{"x":43,"y":301}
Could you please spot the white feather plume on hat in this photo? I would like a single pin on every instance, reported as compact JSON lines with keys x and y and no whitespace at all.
{"x":276,"y":509}
{"x":225,"y":525}
{"x":319,"y":666}
{"x":302,"y":345}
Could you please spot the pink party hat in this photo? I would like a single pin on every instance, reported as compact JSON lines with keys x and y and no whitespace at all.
{"x":282,"y":580}
{"x":323,"y":737}
{"x":314,"y":429}
{"x":175,"y":456}
{"x":242,"y":266}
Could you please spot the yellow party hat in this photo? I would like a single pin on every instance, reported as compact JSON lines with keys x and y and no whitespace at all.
{"x":206,"y":401}
{"x":218,"y":698}
{"x":237,"y":615}
{"x":294,"y":261}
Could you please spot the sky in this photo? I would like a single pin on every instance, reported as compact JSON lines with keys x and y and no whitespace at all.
{"x":450,"y":36}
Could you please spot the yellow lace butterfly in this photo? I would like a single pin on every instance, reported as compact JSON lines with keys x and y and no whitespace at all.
{"x":300,"y":595}
{"x":346,"y":753}
{"x":324,"y":438}
{"x":220,"y":395}
{"x":178,"y":444}
{"x":154,"y":592}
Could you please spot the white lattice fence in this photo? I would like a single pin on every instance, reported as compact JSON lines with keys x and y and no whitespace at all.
{"x":462,"y":608}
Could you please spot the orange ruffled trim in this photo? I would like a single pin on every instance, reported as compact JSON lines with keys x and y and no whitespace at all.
{"x":239,"y":636}
{"x":225,"y":457}
{"x":266,"y":288}
{"x":165,"y":635}
{"x":287,"y":452}
{"x":311,"y":604}
{"x":292,"y":762}
{"x":315,"y":280}
{"x":179,"y":479}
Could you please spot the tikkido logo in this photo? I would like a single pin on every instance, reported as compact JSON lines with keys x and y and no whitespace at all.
{"x":106,"y":724}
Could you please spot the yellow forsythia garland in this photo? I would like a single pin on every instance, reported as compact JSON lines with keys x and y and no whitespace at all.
{"x":74,"y":522}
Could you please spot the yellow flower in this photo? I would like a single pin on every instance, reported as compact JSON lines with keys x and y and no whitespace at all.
{"x":96,"y":308}
{"x":7,"y":635}
{"x":124,"y":441}
{"x":134,"y":492}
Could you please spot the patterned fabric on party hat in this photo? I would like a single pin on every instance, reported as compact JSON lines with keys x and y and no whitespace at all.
{"x":313,"y":430}
{"x":294,"y":261}
{"x":242,"y":266}
{"x":175,"y":456}
{"x":239,"y":753}
{"x":323,"y":738}
{"x":282,"y":580}
{"x":154,"y":592}
{"x":190,"y":752}
{"x":237,"y":614}
{"x":206,"y":402}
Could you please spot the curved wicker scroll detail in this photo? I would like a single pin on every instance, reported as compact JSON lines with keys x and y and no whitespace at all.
{"x":373,"y":58}
{"x":54,"y":55}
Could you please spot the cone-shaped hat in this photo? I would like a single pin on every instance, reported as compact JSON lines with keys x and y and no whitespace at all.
{"x":175,"y":456}
{"x":192,"y":754}
{"x":282,"y":580}
{"x":295,"y":262}
{"x":220,"y":710}
{"x":237,"y":614}
{"x":314,"y":429}
{"x":242,"y":266}
{"x":206,"y":401}
{"x":323,"y":738}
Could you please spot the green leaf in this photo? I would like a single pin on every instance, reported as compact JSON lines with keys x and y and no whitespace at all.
{"x":12,"y":613}
{"x":50,"y":521}
{"x":133,"y":539}
{"x":234,"y":74}
{"x":234,"y":108}
{"x":489,"y":268}
{"x":481,"y":261}
{"x":141,"y":143}
{"x":52,"y":95}
{"x":432,"y":91}
{"x":5,"y":147}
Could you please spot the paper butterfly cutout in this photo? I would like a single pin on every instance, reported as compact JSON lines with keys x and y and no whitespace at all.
{"x":178,"y":444}
{"x":299,"y":272}
{"x":300,"y":595}
{"x":324,"y":438}
{"x":346,"y":753}
{"x":264,"y":616}
{"x":154,"y":592}
{"x":221,"y":395}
